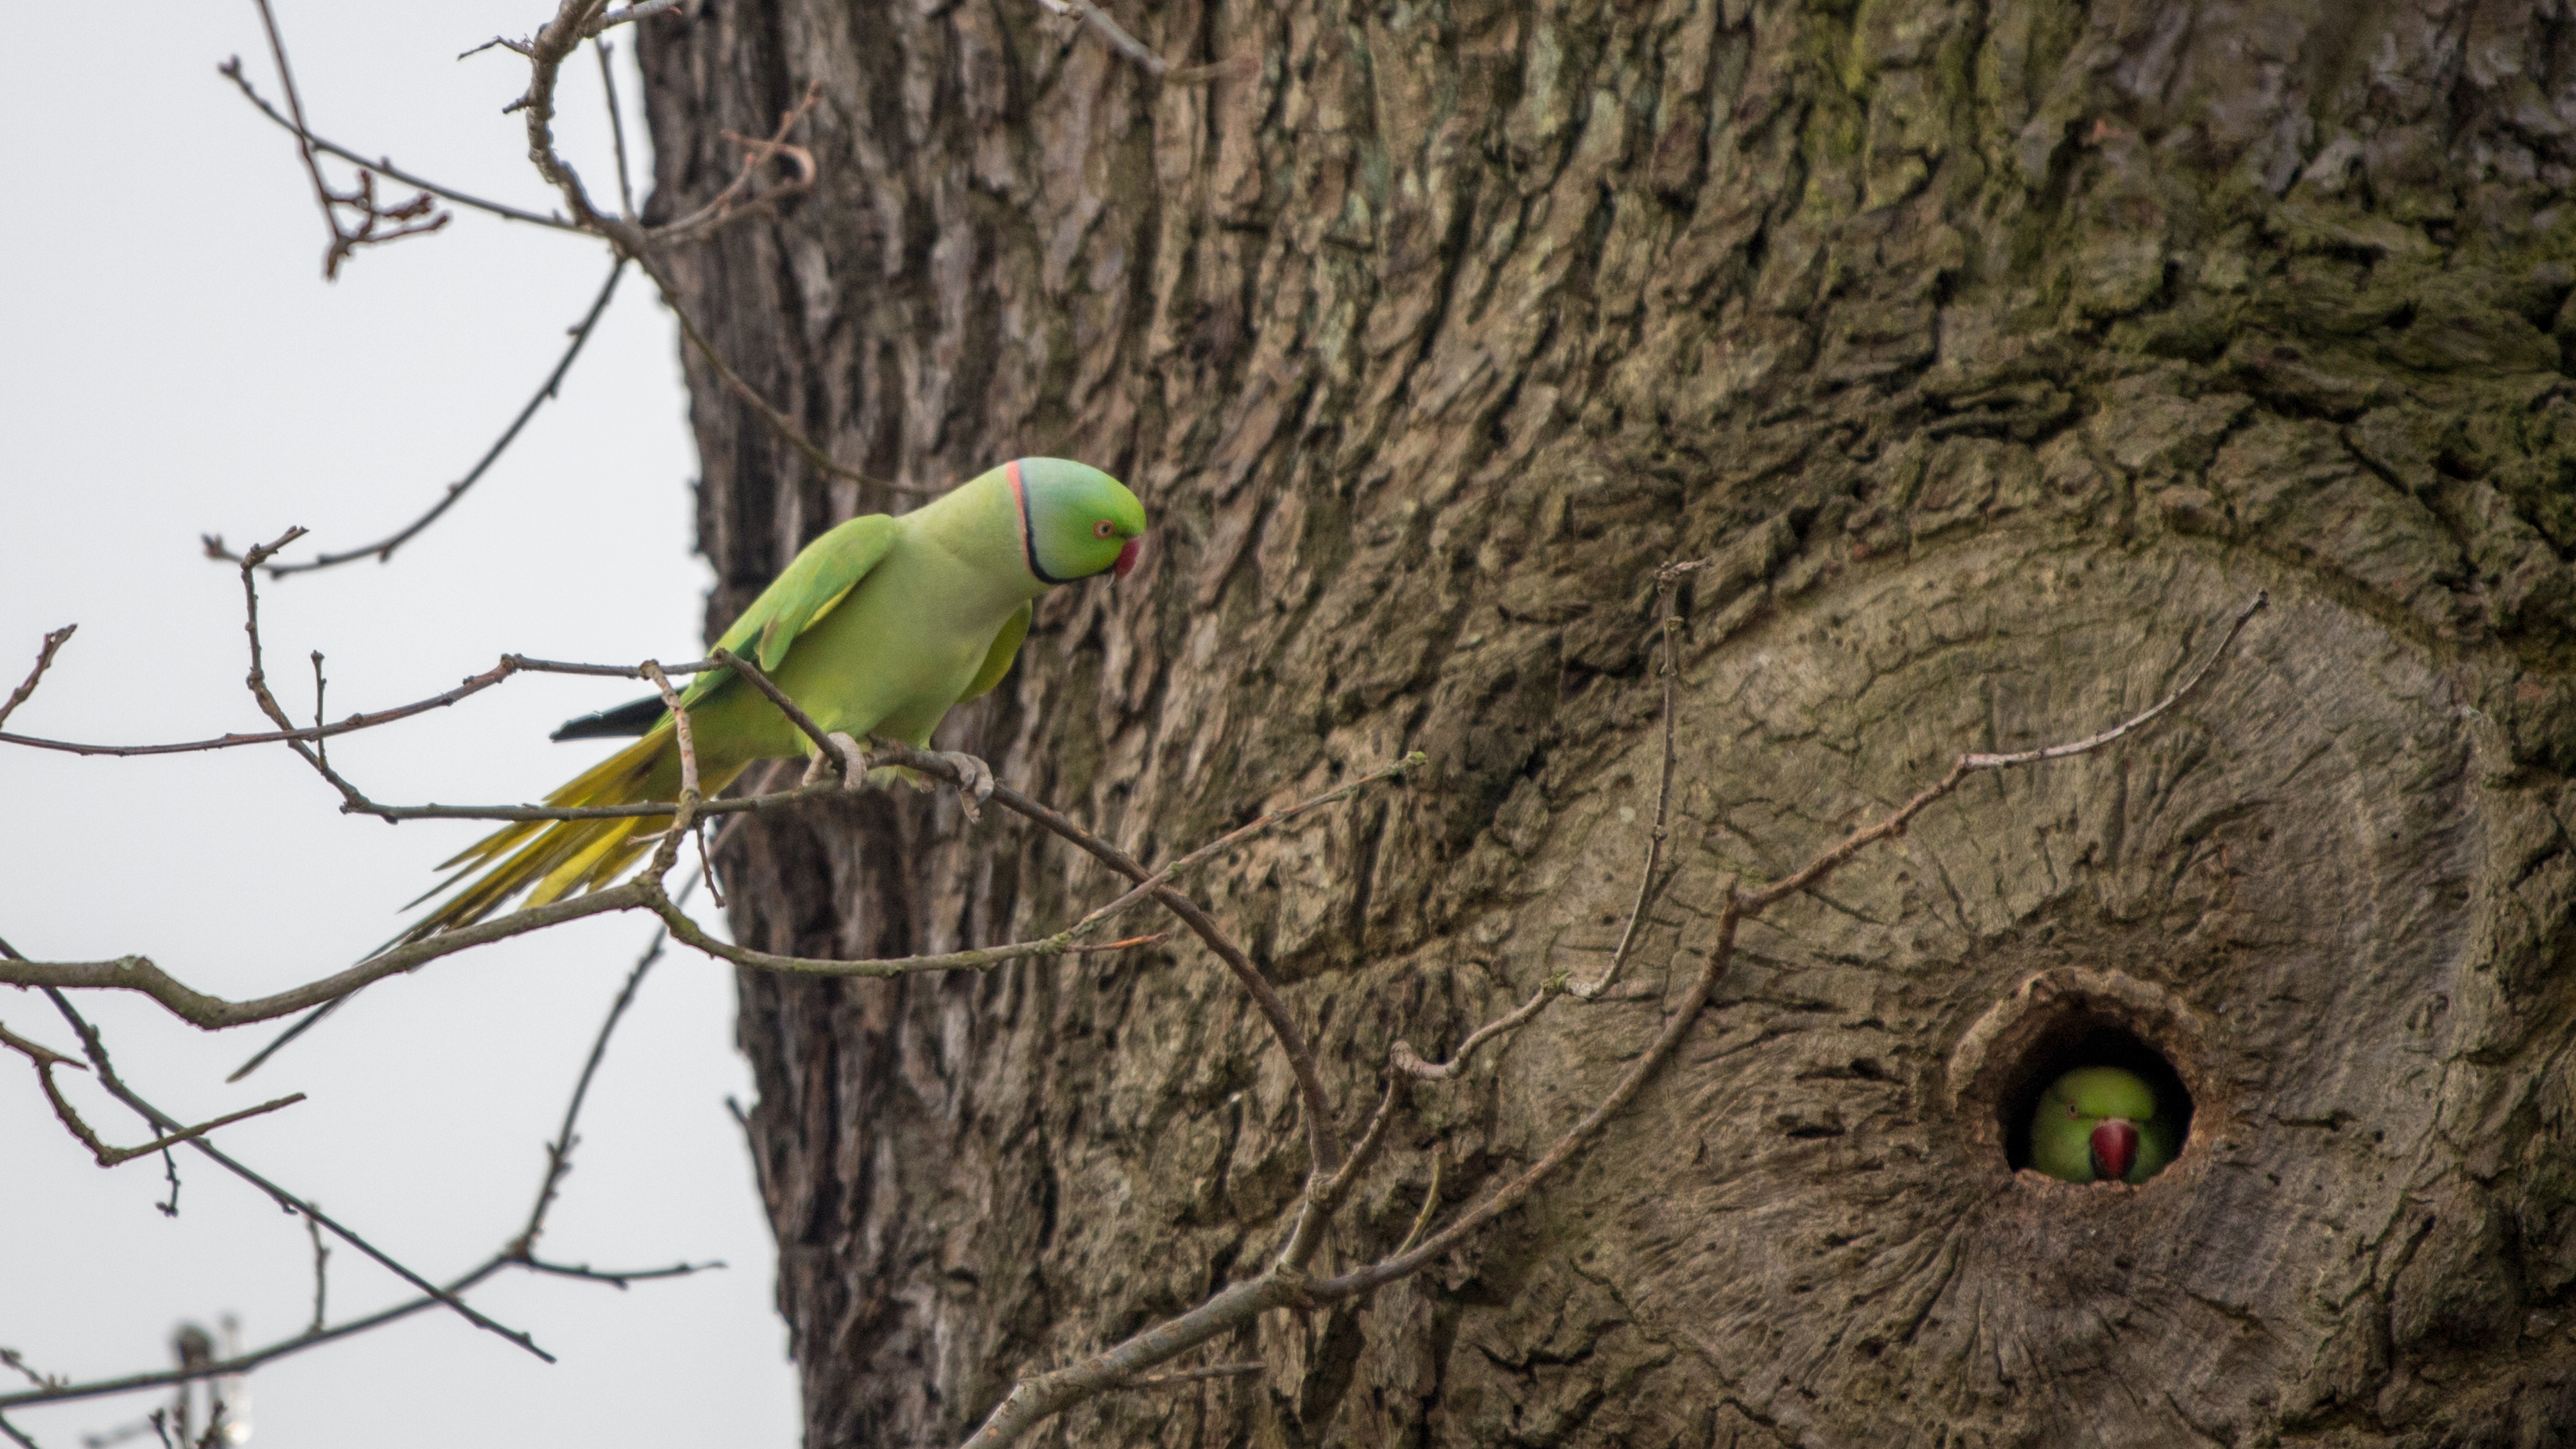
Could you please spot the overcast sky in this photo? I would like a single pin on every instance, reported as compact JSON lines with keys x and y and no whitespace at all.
{"x":176,"y":365}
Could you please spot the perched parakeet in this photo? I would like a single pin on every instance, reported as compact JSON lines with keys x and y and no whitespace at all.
{"x":884,"y":623}
{"x":2101,"y":1124}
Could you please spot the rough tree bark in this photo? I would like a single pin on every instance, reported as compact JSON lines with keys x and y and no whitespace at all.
{"x":1998,"y":351}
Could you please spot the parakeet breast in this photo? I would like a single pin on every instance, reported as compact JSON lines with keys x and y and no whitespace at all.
{"x":895,"y":655}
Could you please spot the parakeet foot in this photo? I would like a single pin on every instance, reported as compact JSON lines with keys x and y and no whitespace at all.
{"x":975,"y":781}
{"x":853,"y":762}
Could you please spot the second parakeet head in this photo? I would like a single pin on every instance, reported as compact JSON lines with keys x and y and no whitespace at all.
{"x":1075,"y":521}
{"x":2101,"y":1124}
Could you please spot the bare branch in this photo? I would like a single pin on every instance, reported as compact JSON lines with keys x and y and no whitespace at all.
{"x":1033,"y":1400}
{"x":546,"y":52}
{"x":629,"y":14}
{"x":46,"y":1059}
{"x":737,"y":199}
{"x":11,"y":1357}
{"x":54,"y":641}
{"x":382,"y":166}
{"x":616,"y":130}
{"x":321,"y":1263}
{"x":515,"y":1254}
{"x":618,"y":1278}
{"x":406,"y":216}
{"x":95,"y":1048}
{"x":1668,"y":580}
{"x":1970,"y":764}
{"x":382,"y":550}
{"x":1404,"y":1059}
{"x":824,"y":744}
{"x":214,"y":1013}
{"x":474,"y":684}
{"x":1194,"y":1376}
{"x":42,"y":1055}
{"x":113,"y":1156}
{"x":1321,"y":1156}
{"x":559,"y":1152}
{"x":1430,"y":1202}
{"x":779,"y":423}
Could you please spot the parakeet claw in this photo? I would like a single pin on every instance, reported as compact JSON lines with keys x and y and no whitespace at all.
{"x":975,"y":780}
{"x":853,"y":763}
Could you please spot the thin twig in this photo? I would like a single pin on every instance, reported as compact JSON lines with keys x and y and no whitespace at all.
{"x":1406,"y":1060}
{"x":831,"y":749}
{"x":546,"y":52}
{"x":113,"y":1156}
{"x":321,"y":1263}
{"x":617,"y":1278}
{"x":779,"y":423}
{"x":232,"y":71}
{"x":382,"y":550}
{"x":361,"y":199}
{"x":321,"y":750}
{"x":95,"y":1048}
{"x":11,"y":1357}
{"x":1194,"y":1376}
{"x":630,"y":14}
{"x":46,"y":1059}
{"x":559,"y":1152}
{"x":474,"y":684}
{"x":1970,"y":764}
{"x":1088,"y":13}
{"x":1667,"y":584}
{"x":616,"y":131}
{"x":737,"y":200}
{"x":1430,"y":1202}
{"x":54,"y":641}
{"x":49,"y":1390}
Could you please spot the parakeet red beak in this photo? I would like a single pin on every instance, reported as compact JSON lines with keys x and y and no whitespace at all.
{"x":2115,"y":1149}
{"x":1126,"y":558}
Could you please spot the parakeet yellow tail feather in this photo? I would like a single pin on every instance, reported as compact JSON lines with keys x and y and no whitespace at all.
{"x":554,"y":859}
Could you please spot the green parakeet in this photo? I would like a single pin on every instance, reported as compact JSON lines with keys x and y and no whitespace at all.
{"x":882,"y":624}
{"x":2101,"y":1124}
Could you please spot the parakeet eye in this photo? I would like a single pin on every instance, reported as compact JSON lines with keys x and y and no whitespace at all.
{"x":1101,"y":529}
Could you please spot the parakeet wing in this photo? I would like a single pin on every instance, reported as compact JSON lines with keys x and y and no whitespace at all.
{"x":800,"y":598}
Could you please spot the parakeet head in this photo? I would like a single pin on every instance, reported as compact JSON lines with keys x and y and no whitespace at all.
{"x":1075,"y":521}
{"x":2107,"y":1105}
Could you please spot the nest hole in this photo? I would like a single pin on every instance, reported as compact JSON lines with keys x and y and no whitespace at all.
{"x":2081,"y":1037}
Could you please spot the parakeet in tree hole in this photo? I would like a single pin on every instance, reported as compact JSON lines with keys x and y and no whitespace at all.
{"x":2102,"y":1124}
{"x":882,"y":624}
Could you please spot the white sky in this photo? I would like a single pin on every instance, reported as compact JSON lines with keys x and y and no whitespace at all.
{"x":176,"y":365}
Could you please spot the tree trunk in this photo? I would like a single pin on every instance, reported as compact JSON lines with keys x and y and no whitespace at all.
{"x":1998,"y":354}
